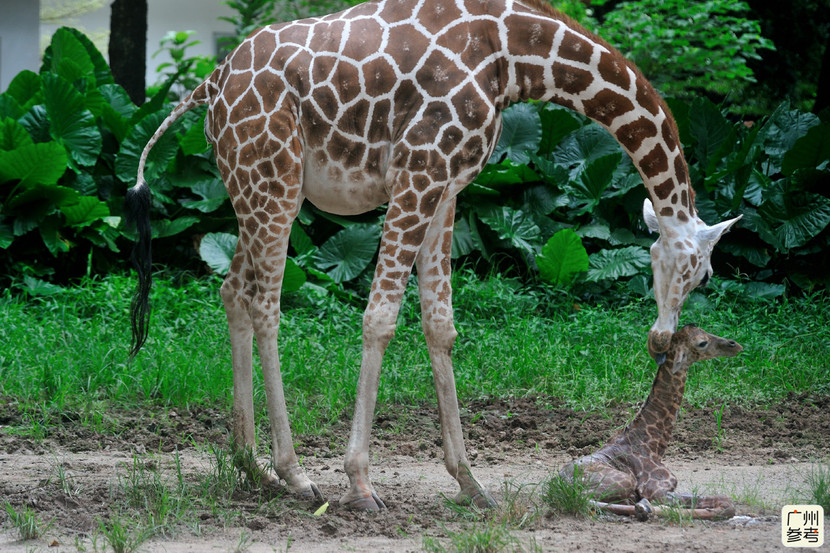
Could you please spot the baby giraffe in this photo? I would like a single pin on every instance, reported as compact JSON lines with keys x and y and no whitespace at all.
{"x":629,"y":468}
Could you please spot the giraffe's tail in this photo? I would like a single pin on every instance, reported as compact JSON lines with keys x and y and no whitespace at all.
{"x":137,"y":210}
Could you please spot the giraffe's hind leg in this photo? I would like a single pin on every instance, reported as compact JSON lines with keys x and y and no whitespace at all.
{"x":601,"y":481}
{"x":435,"y":290}
{"x":237,"y":291}
{"x":264,"y":180}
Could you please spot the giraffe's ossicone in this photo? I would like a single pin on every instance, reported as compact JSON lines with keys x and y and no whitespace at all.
{"x":399,"y":102}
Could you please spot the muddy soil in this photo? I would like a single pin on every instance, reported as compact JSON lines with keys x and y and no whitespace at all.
{"x":759,"y":456}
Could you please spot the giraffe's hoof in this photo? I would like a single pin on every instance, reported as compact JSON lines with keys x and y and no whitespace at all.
{"x":312,"y":493}
{"x":643,"y":510}
{"x":481,"y":499}
{"x":370,"y":503}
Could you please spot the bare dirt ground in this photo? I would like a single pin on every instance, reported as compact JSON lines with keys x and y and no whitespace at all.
{"x":762,"y":459}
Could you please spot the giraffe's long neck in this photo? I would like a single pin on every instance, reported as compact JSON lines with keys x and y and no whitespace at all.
{"x":550,"y":57}
{"x":653,"y":425}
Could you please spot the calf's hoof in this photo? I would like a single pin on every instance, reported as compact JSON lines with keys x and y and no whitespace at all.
{"x":643,"y":510}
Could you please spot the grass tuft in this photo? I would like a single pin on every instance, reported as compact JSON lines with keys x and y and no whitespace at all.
{"x":484,"y":537}
{"x":818,"y":486}
{"x":25,"y":520}
{"x":122,"y":534}
{"x":568,"y":496}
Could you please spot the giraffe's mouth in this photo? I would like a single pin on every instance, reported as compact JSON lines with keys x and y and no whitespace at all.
{"x":658,"y":345}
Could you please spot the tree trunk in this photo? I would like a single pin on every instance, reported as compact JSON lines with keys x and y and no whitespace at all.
{"x":823,"y":90}
{"x":128,"y":46}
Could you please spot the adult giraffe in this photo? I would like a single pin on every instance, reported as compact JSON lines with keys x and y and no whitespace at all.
{"x":399,"y":102}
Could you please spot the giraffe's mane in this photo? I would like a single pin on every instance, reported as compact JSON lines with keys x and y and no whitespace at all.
{"x":544,"y":7}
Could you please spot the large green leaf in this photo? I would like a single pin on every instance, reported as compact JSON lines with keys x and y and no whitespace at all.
{"x":217,"y":249}
{"x":36,"y":121}
{"x":6,"y":235}
{"x":294,"y":277}
{"x":165,"y":227}
{"x":71,"y":123}
{"x":580,"y":148}
{"x":73,"y":56}
{"x":50,"y":233}
{"x":213,"y":195}
{"x":589,"y":186}
{"x":462,"y":238}
{"x":67,"y":57}
{"x":300,"y":240}
{"x":562,"y":258}
{"x":618,"y":263}
{"x":790,"y":217}
{"x":783,"y":128}
{"x":711,"y":132}
{"x":557,"y":122}
{"x":13,"y":135}
{"x":810,"y":151}
{"x":542,"y":199}
{"x":10,"y":107}
{"x":36,"y":200}
{"x":349,"y":252}
{"x":513,"y":225}
{"x":194,"y":141}
{"x":126,"y":163}
{"x":25,"y":88}
{"x":521,"y":134}
{"x":507,"y":172}
{"x":42,"y":163}
{"x":85,"y":212}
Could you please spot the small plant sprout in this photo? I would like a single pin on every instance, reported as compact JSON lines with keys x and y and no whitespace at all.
{"x":25,"y":520}
{"x":717,"y":439}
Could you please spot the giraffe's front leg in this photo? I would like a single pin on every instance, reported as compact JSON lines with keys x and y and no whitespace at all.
{"x":407,"y":219}
{"x":435,"y":290}
{"x":703,"y":506}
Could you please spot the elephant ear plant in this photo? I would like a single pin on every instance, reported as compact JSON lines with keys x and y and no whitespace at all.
{"x":69,"y":140}
{"x":554,"y":171}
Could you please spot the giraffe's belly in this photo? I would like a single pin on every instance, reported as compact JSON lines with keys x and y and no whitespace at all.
{"x":334,"y":190}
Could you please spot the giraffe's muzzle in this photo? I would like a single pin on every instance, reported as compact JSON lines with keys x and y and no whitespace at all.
{"x":658,"y":345}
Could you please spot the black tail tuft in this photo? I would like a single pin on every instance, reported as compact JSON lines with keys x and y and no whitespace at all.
{"x":137,"y":209}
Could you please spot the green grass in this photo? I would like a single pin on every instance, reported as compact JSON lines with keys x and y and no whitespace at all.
{"x":25,"y":520}
{"x":68,"y":352}
{"x":568,"y":496}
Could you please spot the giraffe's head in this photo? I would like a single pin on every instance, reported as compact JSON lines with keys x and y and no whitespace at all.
{"x":680,"y":261}
{"x":691,"y":344}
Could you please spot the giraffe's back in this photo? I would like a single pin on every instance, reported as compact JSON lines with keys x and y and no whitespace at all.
{"x":378,"y":85}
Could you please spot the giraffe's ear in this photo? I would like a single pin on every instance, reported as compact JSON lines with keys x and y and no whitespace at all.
{"x":712,"y":234}
{"x":679,"y":361}
{"x":650,"y":217}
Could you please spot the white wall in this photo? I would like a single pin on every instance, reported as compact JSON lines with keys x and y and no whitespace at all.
{"x":163,"y":16}
{"x":19,"y":38}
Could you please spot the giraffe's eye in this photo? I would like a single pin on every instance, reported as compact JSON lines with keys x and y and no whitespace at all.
{"x":702,"y":344}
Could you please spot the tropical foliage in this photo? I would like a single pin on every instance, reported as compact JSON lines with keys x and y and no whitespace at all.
{"x":688,"y":47}
{"x":559,"y":199}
